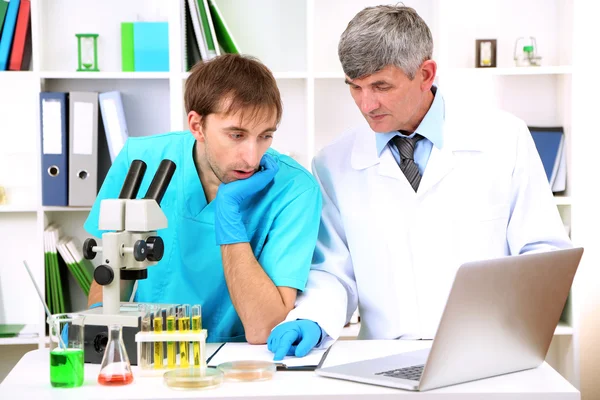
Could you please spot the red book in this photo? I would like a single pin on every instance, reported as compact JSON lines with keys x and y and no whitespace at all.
{"x":21,"y":32}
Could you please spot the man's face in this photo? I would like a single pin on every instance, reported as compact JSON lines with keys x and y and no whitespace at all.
{"x":388,"y":99}
{"x":234,"y":144}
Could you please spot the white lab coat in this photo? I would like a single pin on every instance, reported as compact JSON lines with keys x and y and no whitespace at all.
{"x":395,"y":252}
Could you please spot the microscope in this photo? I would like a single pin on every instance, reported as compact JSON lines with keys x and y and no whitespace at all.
{"x":130,"y":245}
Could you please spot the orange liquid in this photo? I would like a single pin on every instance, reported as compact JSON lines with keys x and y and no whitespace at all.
{"x":115,"y":380}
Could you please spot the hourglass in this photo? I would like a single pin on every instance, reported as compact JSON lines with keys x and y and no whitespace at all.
{"x":87,"y":49}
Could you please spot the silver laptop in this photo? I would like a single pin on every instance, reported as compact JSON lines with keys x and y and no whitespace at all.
{"x":500,"y":317}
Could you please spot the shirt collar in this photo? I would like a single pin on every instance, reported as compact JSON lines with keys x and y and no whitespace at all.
{"x":431,"y":127}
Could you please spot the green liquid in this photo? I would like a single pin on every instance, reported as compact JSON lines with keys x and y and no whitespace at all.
{"x":66,"y":368}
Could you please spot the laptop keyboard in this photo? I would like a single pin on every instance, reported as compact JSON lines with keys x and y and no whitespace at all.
{"x":412,"y":373}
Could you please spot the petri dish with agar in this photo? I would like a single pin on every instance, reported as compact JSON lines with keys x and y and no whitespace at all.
{"x":248,"y":370}
{"x":193,"y":378}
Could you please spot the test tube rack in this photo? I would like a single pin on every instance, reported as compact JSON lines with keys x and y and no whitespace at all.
{"x":164,"y":337}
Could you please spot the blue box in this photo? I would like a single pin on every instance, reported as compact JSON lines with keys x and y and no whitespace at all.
{"x":151,"y":46}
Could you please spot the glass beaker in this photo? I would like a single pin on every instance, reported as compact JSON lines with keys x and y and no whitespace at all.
{"x":525,"y":52}
{"x":66,"y":350}
{"x":115,"y":369}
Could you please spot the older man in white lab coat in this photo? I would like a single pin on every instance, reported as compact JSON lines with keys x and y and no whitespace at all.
{"x":426,"y":187}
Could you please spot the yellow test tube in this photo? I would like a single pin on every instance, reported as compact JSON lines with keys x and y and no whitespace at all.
{"x":184,"y":326}
{"x":158,"y":346}
{"x":171,"y":356}
{"x":196,"y":328}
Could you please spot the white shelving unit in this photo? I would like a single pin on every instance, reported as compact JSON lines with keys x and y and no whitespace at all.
{"x":103,"y":75}
{"x":297,"y":39}
{"x":19,"y":340}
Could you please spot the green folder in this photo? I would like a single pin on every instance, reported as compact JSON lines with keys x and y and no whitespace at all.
{"x":58,"y":292}
{"x":3,"y":8}
{"x":192,"y":55}
{"x":221,"y":30}
{"x":81,"y":281}
{"x":80,"y":268}
{"x":127,"y":57}
{"x":210,"y":44}
{"x":48,"y":282}
{"x":10,"y":330}
{"x":51,"y":294}
{"x":55,"y":295}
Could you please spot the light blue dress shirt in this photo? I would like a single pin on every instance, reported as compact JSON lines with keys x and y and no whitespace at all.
{"x":431,"y":128}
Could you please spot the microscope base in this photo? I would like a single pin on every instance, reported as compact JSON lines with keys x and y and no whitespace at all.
{"x":96,"y":330}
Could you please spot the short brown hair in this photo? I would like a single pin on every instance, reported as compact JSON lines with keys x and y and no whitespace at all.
{"x":241,"y":80}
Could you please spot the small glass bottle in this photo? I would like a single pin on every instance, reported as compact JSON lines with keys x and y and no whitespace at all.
{"x":115,"y":369}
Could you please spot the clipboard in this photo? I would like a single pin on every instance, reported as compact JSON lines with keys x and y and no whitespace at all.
{"x":283,"y":367}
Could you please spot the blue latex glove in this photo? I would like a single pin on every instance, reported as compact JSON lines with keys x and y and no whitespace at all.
{"x":294,"y":338}
{"x":229,"y":227}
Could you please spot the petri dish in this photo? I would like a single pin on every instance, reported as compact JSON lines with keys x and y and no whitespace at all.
{"x":193,"y":378}
{"x":248,"y":370}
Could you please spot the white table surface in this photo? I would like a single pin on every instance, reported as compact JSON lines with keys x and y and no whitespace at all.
{"x":30,"y":379}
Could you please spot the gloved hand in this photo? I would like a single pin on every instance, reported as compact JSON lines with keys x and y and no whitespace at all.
{"x":229,"y":227}
{"x":294,"y":338}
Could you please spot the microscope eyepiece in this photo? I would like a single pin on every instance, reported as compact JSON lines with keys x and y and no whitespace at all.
{"x":133,"y":180}
{"x":161,"y":180}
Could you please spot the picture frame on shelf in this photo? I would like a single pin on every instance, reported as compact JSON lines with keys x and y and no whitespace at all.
{"x":485,"y":53}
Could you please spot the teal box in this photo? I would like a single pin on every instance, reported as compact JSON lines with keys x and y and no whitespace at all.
{"x":151,"y":46}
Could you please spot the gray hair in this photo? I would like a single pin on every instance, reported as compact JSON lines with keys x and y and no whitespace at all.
{"x":385,"y":35}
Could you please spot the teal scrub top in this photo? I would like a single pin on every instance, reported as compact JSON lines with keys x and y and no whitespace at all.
{"x":282,"y":222}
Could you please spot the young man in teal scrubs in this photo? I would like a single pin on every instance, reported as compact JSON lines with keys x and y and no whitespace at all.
{"x":243,"y":219}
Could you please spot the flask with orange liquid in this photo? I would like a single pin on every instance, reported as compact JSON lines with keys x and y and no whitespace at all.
{"x":115,"y":369}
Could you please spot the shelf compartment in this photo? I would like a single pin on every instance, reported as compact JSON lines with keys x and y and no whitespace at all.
{"x":58,"y":44}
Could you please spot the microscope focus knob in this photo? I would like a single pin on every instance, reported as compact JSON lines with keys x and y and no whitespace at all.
{"x":104,"y":275}
{"x":155,"y":247}
{"x":139,"y":250}
{"x":88,"y":245}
